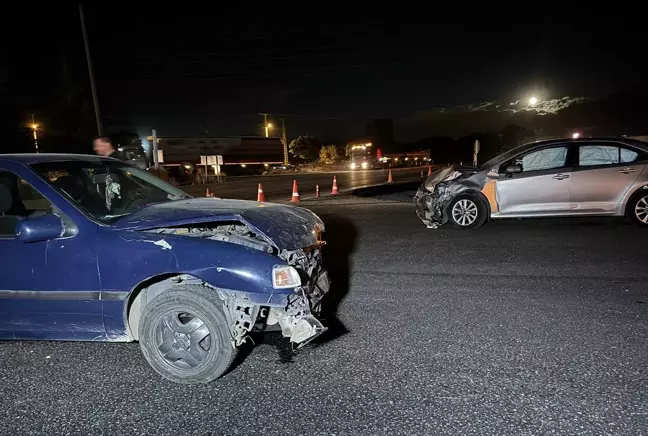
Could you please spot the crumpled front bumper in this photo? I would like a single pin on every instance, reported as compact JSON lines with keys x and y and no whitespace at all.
{"x":431,"y":206}
{"x":297,"y":319}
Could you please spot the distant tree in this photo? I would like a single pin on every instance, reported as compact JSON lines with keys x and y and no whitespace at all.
{"x":328,"y":154}
{"x":347,"y":151}
{"x":305,"y":147}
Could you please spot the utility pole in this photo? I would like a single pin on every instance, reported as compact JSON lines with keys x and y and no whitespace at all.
{"x":34,"y":127}
{"x":156,"y":158}
{"x":266,"y":126}
{"x":92,"y":81}
{"x":284,"y":140}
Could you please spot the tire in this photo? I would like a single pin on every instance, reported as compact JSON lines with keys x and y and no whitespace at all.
{"x":469,"y":203}
{"x":637,"y":208}
{"x":189,"y":327}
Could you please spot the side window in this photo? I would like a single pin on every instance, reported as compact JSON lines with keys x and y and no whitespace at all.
{"x":590,"y":155}
{"x":32,"y":199}
{"x":18,"y":199}
{"x":628,"y":156}
{"x":545,"y":159}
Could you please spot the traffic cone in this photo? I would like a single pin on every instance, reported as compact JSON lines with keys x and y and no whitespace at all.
{"x":429,"y":170}
{"x":295,"y":193}
{"x":317,"y":191}
{"x":260,"y":194}
{"x":207,"y":193}
{"x":334,"y":191}
{"x":389,"y":177}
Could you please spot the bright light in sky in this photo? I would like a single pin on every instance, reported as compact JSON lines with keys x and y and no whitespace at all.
{"x":533,"y":101}
{"x":575,"y":135}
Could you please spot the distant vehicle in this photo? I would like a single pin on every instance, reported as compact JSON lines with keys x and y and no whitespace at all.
{"x":362,"y":157}
{"x":556,"y":178}
{"x":97,"y":250}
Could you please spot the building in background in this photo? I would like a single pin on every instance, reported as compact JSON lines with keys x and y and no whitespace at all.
{"x":241,"y":155}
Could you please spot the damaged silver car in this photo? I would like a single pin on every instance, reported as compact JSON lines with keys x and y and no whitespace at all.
{"x":555,"y":178}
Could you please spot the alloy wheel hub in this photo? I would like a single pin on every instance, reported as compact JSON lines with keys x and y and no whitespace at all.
{"x":641,"y":210}
{"x":464,"y":212}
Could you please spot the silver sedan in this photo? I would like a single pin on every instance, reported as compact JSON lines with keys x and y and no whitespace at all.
{"x":556,"y":178}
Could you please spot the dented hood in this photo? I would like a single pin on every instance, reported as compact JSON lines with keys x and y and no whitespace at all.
{"x":287,"y":227}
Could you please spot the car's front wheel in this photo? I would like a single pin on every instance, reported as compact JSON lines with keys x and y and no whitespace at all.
{"x":467,"y":212}
{"x":637,"y":210}
{"x":184,"y":335}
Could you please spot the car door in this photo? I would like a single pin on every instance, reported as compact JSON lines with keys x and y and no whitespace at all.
{"x":604,"y":173}
{"x":48,"y":289}
{"x":543,"y":187}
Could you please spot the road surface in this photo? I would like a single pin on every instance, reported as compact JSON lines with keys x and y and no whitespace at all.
{"x":279,"y":187}
{"x":521,"y":327}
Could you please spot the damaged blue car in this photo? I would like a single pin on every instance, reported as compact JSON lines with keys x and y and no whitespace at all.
{"x":96,"y":250}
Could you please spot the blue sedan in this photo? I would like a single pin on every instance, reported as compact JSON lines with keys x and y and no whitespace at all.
{"x":96,"y":250}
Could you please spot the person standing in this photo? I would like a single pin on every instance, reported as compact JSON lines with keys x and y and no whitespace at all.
{"x":102,"y":145}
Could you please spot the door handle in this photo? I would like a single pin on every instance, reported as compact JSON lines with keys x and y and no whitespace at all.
{"x":561,"y":176}
{"x":627,"y":170}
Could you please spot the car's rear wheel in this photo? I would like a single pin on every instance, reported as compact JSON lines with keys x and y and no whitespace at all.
{"x":467,"y":212}
{"x":184,"y":335}
{"x":637,"y":210}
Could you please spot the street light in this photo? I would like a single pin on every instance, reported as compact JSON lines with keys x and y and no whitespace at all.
{"x":533,"y":101}
{"x":575,"y":135}
{"x":34,"y":128}
{"x":268,"y":126}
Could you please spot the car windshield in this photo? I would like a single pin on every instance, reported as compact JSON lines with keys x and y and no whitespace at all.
{"x":107,"y":189}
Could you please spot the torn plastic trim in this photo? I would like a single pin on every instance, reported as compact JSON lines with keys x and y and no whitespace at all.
{"x":434,"y":196}
{"x":291,"y":312}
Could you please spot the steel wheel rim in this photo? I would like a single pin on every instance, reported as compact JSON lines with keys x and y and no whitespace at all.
{"x":183,"y":340}
{"x":464,"y":212}
{"x":641,"y":210}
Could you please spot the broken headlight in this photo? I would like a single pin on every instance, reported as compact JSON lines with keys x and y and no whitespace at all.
{"x":284,"y":276}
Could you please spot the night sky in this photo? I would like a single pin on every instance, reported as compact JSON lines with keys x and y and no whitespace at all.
{"x":187,"y":72}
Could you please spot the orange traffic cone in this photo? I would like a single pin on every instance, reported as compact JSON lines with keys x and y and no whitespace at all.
{"x":295,"y":193}
{"x":429,"y":170}
{"x":207,"y":193}
{"x":317,"y":191}
{"x":389,"y":177}
{"x":260,"y":194}
{"x":334,"y":191}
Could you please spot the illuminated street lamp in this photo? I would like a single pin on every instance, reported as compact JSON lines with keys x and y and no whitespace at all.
{"x":575,"y":135}
{"x":533,"y":101}
{"x":268,"y":126}
{"x":34,"y":128}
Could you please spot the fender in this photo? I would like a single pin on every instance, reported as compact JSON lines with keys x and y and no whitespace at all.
{"x":221,"y":264}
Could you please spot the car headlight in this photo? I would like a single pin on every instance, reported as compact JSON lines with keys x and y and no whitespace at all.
{"x":353,"y":165}
{"x":285,"y":277}
{"x":364,"y":165}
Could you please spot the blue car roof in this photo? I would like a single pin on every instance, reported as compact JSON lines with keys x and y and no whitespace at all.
{"x":32,"y":158}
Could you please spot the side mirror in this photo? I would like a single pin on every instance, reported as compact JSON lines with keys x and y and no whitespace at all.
{"x":513,"y":169}
{"x":42,"y":228}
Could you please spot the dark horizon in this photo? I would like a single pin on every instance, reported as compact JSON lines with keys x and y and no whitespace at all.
{"x":188,"y":73}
